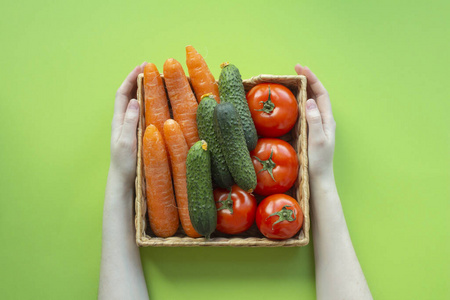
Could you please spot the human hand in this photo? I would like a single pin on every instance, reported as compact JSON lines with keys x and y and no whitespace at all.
{"x":123,"y":280}
{"x":338,"y":272}
{"x":123,"y":128}
{"x":321,"y":125}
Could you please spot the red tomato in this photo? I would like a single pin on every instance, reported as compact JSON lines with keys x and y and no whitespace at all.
{"x":235,"y":210}
{"x":279,"y":217}
{"x":276,"y":166}
{"x":274,"y":109}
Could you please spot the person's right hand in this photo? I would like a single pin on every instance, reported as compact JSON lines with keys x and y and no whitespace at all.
{"x":322,"y":127}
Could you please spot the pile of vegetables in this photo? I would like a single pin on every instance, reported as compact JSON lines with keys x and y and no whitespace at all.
{"x":203,"y":166}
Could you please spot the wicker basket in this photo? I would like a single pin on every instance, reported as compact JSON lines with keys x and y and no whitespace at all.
{"x":251,"y":238}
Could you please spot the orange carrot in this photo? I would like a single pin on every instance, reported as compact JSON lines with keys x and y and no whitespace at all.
{"x":202,"y":80}
{"x":156,"y":106}
{"x":178,"y":150}
{"x":184,"y":105}
{"x":162,"y":211}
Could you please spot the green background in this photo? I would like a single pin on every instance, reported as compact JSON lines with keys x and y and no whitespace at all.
{"x":383,"y":62}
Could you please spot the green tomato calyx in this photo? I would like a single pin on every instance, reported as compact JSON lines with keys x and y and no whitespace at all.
{"x":268,"y":165}
{"x":284,"y":215}
{"x":227,"y":204}
{"x":268,"y":106}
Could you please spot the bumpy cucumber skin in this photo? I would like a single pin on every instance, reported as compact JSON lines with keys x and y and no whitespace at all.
{"x":232,"y":90}
{"x":228,"y":128}
{"x":205,"y":125}
{"x":201,"y":205}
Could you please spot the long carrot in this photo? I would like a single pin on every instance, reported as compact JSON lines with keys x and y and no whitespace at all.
{"x":184,"y":105}
{"x":178,"y":150}
{"x":202,"y":80}
{"x":156,"y":105}
{"x":162,"y":211}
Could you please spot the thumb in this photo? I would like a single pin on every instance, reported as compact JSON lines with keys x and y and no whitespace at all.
{"x":130,"y":122}
{"x":316,"y":133}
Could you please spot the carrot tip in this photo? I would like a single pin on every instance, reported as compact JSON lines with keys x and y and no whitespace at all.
{"x":204,"y":145}
{"x":205,"y":95}
{"x":224,"y":64}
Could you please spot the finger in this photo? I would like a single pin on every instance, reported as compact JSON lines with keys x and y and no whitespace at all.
{"x":301,"y":71}
{"x":143,"y":65}
{"x":130,"y":121}
{"x":124,"y":93}
{"x":318,"y":91}
{"x":314,"y":119}
{"x":315,"y":84}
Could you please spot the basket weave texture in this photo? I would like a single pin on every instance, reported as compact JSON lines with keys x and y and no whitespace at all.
{"x":297,"y":137}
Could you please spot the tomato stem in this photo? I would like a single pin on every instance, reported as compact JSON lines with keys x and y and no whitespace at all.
{"x":284,"y":215}
{"x":227,"y":204}
{"x":268,"y":106}
{"x":268,"y":165}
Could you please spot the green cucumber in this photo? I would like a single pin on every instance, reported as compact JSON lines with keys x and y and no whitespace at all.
{"x":232,"y":90}
{"x":205,"y":125}
{"x":201,"y":205}
{"x":228,"y":128}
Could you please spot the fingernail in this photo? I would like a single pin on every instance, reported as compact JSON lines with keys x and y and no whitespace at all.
{"x":133,"y":104}
{"x":311,"y":104}
{"x":299,"y":65}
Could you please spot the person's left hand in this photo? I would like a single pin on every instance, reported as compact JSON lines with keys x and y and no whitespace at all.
{"x":123,"y":127}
